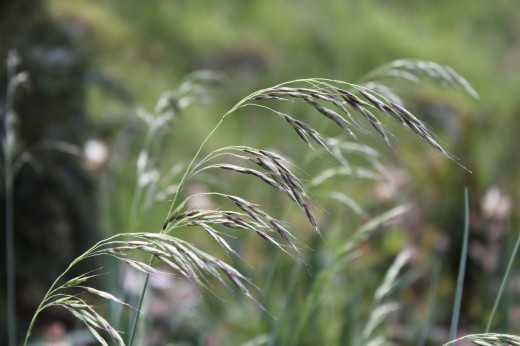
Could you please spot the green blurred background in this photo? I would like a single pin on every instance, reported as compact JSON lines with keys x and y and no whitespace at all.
{"x":131,"y":52}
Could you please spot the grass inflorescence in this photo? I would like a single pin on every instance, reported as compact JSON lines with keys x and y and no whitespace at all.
{"x":349,"y":107}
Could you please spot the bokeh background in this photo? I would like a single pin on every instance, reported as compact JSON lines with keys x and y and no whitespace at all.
{"x":96,"y":67}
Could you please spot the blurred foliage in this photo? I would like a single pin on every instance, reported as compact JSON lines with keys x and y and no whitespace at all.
{"x":54,"y":202}
{"x":141,"y":49}
{"x":260,"y":43}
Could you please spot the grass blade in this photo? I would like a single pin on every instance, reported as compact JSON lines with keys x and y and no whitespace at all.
{"x":462,"y":270}
{"x":432,"y":298}
{"x":503,"y":284}
{"x":489,"y":339}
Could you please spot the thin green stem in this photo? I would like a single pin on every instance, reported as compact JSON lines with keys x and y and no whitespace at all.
{"x":10,"y":252}
{"x":462,"y":270}
{"x":432,"y":298}
{"x":145,"y":285}
{"x":148,"y":148}
{"x":172,"y":205}
{"x":503,"y":284}
{"x":134,"y":206}
{"x":8,"y":146}
{"x":139,"y":307}
{"x":138,"y":191}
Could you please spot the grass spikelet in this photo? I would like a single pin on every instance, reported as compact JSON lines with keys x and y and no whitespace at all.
{"x":98,"y":337}
{"x":78,"y":280}
{"x":489,"y":339}
{"x":414,"y":70}
{"x":104,"y":295}
{"x":95,"y":323}
{"x":214,"y":234}
{"x":142,"y":267}
{"x":278,"y":174}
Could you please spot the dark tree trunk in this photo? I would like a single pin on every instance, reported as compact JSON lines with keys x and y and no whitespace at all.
{"x":55,"y":216}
